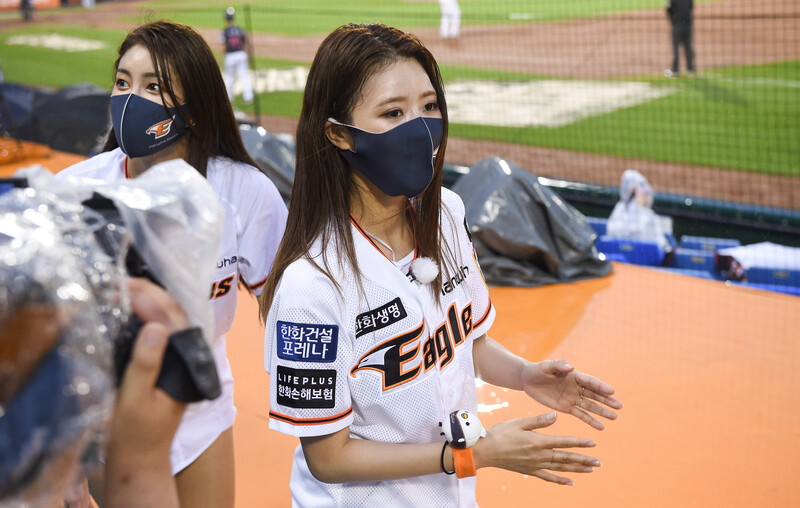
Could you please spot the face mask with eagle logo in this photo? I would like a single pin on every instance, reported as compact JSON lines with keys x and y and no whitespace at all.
{"x":143,"y":127}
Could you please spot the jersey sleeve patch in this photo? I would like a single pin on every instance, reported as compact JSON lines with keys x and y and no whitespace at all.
{"x":306,"y":388}
{"x":303,"y":342}
{"x":381,"y":317}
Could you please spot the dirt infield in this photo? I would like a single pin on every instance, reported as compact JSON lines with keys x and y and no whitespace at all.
{"x":629,"y":44}
{"x":623,"y":45}
{"x":733,"y":32}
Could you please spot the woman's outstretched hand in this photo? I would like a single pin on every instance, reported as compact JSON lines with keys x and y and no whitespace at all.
{"x":513,"y":445}
{"x":557,"y":385}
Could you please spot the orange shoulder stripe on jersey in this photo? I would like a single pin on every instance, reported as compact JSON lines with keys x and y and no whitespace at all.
{"x":255,"y":286}
{"x":125,"y":166}
{"x":310,"y":421}
{"x":485,"y":315}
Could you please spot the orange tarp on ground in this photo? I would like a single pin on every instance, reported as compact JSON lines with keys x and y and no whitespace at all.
{"x":708,"y":374}
{"x":15,"y":155}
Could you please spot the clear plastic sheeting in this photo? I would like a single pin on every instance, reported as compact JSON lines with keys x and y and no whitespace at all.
{"x":63,"y":301}
{"x":56,"y":292}
{"x":524,"y":233}
{"x":173,"y":218}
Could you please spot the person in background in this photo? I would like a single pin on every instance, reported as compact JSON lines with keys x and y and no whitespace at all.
{"x":376,"y":311}
{"x":235,"y":60}
{"x":450,"y":23}
{"x":168,"y":102}
{"x":679,"y":13}
{"x":633,"y":217}
{"x":26,"y":8}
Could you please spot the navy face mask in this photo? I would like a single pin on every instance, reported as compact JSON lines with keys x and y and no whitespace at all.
{"x":143,"y":127}
{"x":399,"y":161}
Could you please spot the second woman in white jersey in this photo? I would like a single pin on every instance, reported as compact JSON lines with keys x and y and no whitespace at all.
{"x":169,"y":101}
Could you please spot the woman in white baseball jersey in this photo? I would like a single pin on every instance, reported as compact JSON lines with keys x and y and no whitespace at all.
{"x":376,"y":311}
{"x":169,"y":101}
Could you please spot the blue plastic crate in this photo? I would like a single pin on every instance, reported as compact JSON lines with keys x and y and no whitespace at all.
{"x":694,"y":259}
{"x":708,"y":243}
{"x":773,"y":276}
{"x":637,"y":252}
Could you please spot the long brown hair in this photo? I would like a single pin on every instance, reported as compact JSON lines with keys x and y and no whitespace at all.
{"x":323,"y":183}
{"x":181,"y":56}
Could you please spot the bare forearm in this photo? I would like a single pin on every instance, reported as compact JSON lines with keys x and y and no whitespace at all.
{"x":497,"y":365}
{"x":337,"y":458}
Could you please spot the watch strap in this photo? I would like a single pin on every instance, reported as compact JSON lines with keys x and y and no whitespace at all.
{"x":463,"y":462}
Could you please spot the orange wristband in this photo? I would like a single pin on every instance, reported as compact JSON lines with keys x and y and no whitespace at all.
{"x":463,"y":462}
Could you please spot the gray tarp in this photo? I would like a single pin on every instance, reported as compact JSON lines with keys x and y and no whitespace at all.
{"x":273,"y":156}
{"x":524,"y":233}
{"x":74,"y":119}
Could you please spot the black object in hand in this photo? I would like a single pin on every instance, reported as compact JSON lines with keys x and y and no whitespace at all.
{"x":188,"y":372}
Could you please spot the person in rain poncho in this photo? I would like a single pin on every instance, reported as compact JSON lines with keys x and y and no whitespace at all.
{"x":633,"y":217}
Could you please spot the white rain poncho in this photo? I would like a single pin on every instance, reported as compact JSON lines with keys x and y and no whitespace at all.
{"x":633,"y":217}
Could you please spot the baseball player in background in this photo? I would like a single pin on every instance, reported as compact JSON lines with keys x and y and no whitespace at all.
{"x":450,"y":22}
{"x":376,"y":310}
{"x":681,"y":20}
{"x":235,"y":60}
{"x":190,"y":117}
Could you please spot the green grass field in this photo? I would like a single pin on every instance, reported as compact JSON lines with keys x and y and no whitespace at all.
{"x":48,"y":67}
{"x":745,"y":118}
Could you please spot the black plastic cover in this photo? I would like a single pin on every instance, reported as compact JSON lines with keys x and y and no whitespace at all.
{"x":523,"y":232}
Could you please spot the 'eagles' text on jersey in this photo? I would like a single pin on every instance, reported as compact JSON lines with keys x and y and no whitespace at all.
{"x":401,"y":362}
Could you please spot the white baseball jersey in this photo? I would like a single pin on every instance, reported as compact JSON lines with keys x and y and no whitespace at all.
{"x":255,"y":218}
{"x":389,"y":364}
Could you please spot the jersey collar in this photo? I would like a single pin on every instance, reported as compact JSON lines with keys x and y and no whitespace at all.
{"x":372,"y":242}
